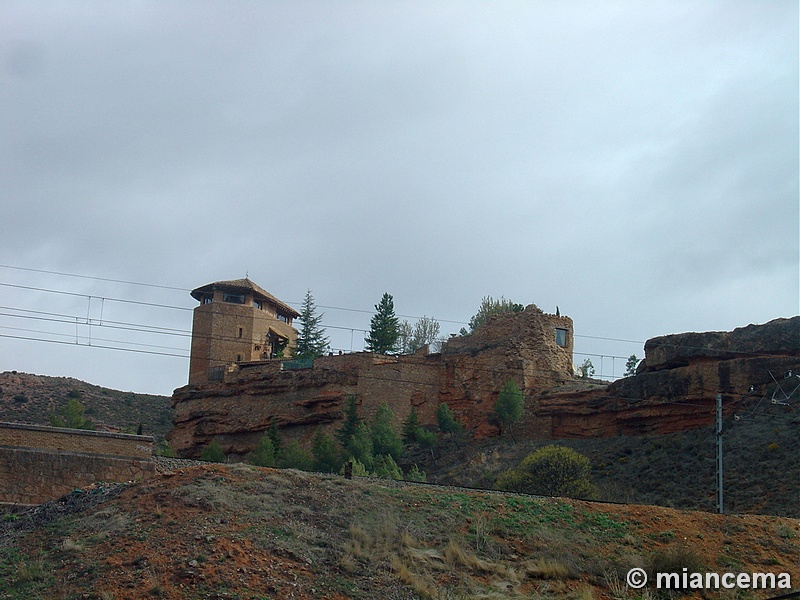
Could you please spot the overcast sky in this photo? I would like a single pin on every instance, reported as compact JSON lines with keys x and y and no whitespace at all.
{"x":633,"y":163}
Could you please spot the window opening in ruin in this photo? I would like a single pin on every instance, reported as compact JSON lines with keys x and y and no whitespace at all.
{"x":207,"y":299}
{"x":233,"y":298}
{"x":561,"y":337}
{"x":240,"y":332}
{"x":258,"y":304}
{"x":238,"y":358}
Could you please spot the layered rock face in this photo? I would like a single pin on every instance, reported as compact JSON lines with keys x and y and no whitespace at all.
{"x":468,"y":375}
{"x":677,"y":383}
{"x":674,"y":389}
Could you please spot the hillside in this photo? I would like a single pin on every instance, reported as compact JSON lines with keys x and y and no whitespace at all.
{"x":244,"y":532}
{"x":761,"y":464}
{"x":30,"y":398}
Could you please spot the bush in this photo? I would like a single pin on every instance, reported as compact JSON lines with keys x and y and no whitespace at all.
{"x":509,"y":405}
{"x":263,"y":455}
{"x":292,"y":456}
{"x":326,"y":453}
{"x":446,"y":420}
{"x":213,"y":452}
{"x":414,"y":474}
{"x":164,"y":449}
{"x":674,"y":559}
{"x":550,"y":471}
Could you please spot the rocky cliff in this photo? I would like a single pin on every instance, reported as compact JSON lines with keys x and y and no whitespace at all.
{"x":674,"y":389}
{"x":467,"y":375}
{"x":676,"y":385}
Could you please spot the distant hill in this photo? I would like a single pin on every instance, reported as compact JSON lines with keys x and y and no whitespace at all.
{"x":28,"y":398}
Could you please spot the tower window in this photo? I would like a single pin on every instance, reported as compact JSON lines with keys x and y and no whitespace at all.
{"x":258,"y":304}
{"x":240,"y":332}
{"x":561,"y":337}
{"x":233,"y":298}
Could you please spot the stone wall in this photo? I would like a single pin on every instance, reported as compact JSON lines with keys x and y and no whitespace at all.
{"x":40,"y":463}
{"x":467,"y":375}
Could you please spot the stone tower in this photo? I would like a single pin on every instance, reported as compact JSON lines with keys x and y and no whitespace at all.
{"x":237,"y":321}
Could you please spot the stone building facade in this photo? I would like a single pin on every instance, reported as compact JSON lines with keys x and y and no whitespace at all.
{"x":531,"y":347}
{"x":237,"y":322}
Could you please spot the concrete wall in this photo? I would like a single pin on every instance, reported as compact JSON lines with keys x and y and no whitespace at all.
{"x":40,"y":463}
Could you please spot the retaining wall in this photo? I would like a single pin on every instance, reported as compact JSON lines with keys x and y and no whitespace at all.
{"x":39,"y":463}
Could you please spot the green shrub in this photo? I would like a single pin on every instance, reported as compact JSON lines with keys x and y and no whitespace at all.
{"x":213,"y":452}
{"x":263,"y":455}
{"x":164,"y":449}
{"x":550,"y":471}
{"x":293,"y":456}
{"x":414,"y":474}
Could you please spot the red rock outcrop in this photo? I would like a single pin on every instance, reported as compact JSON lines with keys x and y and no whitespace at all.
{"x":677,"y":383}
{"x":467,"y":375}
{"x":675,"y":388}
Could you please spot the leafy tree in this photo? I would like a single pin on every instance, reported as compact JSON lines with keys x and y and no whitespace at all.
{"x":351,"y":421}
{"x":550,"y":471}
{"x":446,"y":420}
{"x":311,"y":339}
{"x":630,"y":365}
{"x":412,"y":338}
{"x":293,"y":456}
{"x":264,"y":453}
{"x":72,"y":416}
{"x":384,"y":435}
{"x":384,"y":331}
{"x":325,"y":452}
{"x":509,"y":404}
{"x":586,"y":370}
{"x":489,"y":306}
{"x":213,"y":452}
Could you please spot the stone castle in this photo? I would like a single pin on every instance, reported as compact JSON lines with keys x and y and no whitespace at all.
{"x":237,"y":386}
{"x":236,"y":390}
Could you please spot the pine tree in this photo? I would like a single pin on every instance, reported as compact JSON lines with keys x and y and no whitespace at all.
{"x":384,"y":332}
{"x":446,"y":420}
{"x":351,"y":421}
{"x":311,"y":339}
{"x":410,"y":426}
{"x":264,"y":453}
{"x":325,"y":452}
{"x":384,"y":436}
{"x":630,"y":365}
{"x":275,"y":435}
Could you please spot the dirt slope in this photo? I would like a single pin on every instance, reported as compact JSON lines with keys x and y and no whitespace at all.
{"x":243,"y":532}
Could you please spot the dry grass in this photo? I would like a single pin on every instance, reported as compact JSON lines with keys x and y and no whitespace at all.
{"x":70,"y":545}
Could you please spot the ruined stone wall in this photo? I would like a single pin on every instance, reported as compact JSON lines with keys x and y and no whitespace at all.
{"x":40,"y":463}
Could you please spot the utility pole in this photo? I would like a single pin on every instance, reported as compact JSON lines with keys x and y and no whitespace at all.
{"x":720,"y":503}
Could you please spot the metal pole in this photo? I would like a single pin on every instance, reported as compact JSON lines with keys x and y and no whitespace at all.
{"x":720,"y":502}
